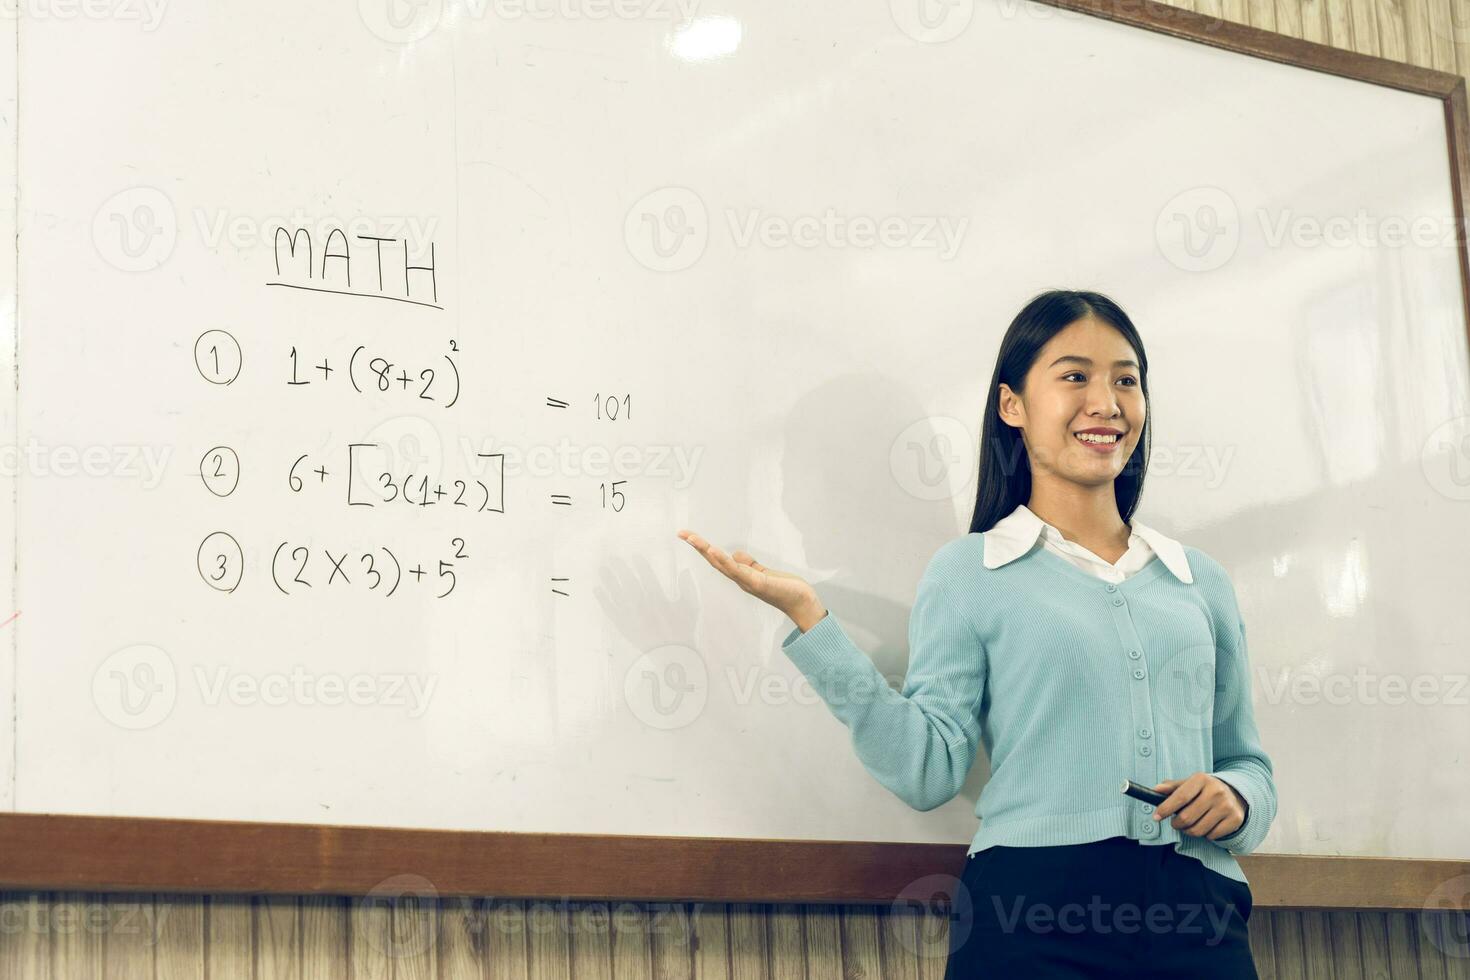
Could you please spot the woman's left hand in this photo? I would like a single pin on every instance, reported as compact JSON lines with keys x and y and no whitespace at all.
{"x":1204,"y":806}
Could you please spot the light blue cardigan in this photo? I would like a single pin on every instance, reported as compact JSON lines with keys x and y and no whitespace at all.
{"x":1072,"y":683}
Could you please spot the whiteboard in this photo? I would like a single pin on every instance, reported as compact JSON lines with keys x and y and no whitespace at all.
{"x":744,"y":272}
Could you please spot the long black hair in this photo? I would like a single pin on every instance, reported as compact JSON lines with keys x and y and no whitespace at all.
{"x":1005,"y":471}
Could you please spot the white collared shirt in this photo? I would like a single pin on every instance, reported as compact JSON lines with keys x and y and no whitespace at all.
{"x":1016,"y":533}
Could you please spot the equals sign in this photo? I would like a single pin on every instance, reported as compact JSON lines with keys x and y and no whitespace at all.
{"x":556,"y":590}
{"x":555,"y":402}
{"x":564,"y":499}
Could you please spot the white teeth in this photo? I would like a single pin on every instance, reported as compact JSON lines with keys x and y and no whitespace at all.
{"x":1092,"y":437}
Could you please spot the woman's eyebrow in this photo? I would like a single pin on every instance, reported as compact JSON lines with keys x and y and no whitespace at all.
{"x":1088,"y":361}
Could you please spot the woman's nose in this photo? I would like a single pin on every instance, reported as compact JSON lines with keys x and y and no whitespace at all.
{"x":1103,"y":400}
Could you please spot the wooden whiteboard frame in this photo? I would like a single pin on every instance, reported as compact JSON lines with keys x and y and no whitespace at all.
{"x":125,"y":854}
{"x":109,"y":854}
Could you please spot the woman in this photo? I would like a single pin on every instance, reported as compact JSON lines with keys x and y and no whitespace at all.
{"x":1083,"y":649}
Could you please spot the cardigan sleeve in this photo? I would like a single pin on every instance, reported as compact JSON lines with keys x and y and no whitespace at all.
{"x":920,"y":741}
{"x":1239,"y":758}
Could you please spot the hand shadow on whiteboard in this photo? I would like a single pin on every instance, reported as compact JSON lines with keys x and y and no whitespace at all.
{"x":635,"y":602}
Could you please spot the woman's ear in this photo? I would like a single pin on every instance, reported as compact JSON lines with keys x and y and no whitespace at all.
{"x":1011,"y":409}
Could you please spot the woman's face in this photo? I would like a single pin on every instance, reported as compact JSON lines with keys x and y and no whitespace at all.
{"x":1086,"y":377}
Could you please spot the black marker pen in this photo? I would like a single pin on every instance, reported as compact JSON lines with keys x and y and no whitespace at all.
{"x":1141,"y":792}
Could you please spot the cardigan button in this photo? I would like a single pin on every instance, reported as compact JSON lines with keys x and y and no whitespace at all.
{"x":1144,"y":733}
{"x":1138,"y":674}
{"x":1151,"y":827}
{"x":1112,"y":588}
{"x":1148,"y":808}
{"x":1118,"y":601}
{"x":1134,"y":654}
{"x":1145,"y":750}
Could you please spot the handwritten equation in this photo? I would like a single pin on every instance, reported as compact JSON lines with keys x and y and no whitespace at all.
{"x":368,"y":372}
{"x":295,"y":568}
{"x":387,"y":487}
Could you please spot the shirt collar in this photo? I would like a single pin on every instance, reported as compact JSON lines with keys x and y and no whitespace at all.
{"x":1016,"y":533}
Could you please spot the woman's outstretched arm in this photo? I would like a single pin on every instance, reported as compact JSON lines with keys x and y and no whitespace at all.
{"x":919,"y":741}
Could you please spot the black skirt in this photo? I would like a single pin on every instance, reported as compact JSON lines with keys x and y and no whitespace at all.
{"x":1109,"y":908}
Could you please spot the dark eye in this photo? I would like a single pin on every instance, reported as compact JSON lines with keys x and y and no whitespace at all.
{"x":1126,"y":377}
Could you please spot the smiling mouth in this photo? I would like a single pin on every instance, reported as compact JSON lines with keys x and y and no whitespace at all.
{"x":1102,"y":445}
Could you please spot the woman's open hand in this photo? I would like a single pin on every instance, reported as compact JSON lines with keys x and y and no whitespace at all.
{"x":791,"y":594}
